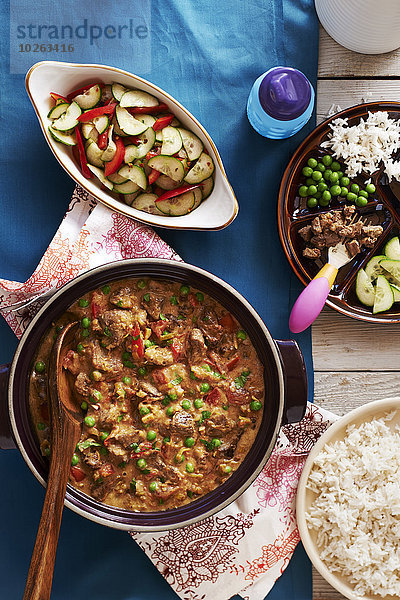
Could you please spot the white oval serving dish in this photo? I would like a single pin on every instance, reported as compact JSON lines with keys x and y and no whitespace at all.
{"x":216,"y":212}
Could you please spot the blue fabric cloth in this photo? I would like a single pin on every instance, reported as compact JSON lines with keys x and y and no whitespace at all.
{"x":207,"y":54}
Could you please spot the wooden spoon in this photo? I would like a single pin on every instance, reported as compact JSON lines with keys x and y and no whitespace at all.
{"x":66,"y":425}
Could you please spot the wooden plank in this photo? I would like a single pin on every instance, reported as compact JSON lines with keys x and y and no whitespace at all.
{"x":322,"y":590}
{"x":348,"y":93}
{"x":344,"y":344}
{"x":336,"y":61}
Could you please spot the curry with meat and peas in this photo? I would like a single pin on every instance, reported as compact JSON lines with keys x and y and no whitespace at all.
{"x":171,"y":391}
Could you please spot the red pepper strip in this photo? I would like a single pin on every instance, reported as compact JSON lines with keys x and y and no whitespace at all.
{"x":133,"y":139}
{"x":82,"y":155}
{"x":163,"y":122}
{"x":77,"y":473}
{"x":177,"y":192}
{"x":95,"y":309}
{"x":83,"y":89}
{"x":228,"y":322}
{"x":153,"y":153}
{"x":176,"y":348}
{"x":97,"y":112}
{"x":213,"y":396}
{"x":114,"y":164}
{"x":103,"y":140}
{"x":193,"y":300}
{"x":153,"y":176}
{"x":232,"y":363}
{"x":57,"y":97}
{"x":137,"y":342}
{"x":146,"y":110}
{"x":157,"y":190}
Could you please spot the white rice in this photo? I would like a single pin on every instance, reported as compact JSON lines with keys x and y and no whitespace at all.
{"x":356,"y":513}
{"x":365,"y":146}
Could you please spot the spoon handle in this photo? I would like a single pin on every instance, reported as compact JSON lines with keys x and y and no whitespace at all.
{"x":40,"y":574}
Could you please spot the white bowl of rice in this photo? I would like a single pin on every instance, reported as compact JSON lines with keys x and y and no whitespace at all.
{"x":348,"y":503}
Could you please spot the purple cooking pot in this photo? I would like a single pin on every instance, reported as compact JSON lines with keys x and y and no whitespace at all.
{"x":284,"y":377}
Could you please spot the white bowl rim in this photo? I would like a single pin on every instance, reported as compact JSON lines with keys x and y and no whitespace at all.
{"x":112,"y":203}
{"x":376,"y":408}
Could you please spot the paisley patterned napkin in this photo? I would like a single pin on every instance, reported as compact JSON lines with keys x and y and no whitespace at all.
{"x":247,"y":546}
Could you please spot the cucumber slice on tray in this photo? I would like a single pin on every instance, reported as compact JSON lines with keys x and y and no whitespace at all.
{"x":364,"y":289}
{"x":392,"y":249}
{"x":383,"y":295}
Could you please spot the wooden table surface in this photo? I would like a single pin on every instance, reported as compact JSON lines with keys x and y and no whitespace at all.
{"x":354,"y":362}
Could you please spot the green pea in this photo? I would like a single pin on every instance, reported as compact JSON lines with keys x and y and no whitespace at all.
{"x":316,"y":175}
{"x":90,"y":421}
{"x":189,"y":442}
{"x":80,"y":348}
{"x":104,"y":435}
{"x":173,"y":396}
{"x":312,"y":190}
{"x":303,"y":191}
{"x":317,"y":195}
{"x":334,"y":178}
{"x":166,"y":440}
{"x":84,"y":405}
{"x":324,"y":202}
{"x":335,"y":190}
{"x":216,"y":442}
{"x":200,"y":296}
{"x":173,"y":300}
{"x":327,"y":160}
{"x":326,"y":196}
{"x":95,"y":397}
{"x":141,"y":463}
{"x":339,"y":174}
{"x":255,"y":405}
{"x":360,"y":202}
{"x":106,"y":289}
{"x":226,"y":468}
{"x":41,"y":426}
{"x":355,"y":188}
{"x":344,"y":181}
{"x":351,"y":197}
{"x":179,"y":458}
{"x":170,"y":411}
{"x":309,"y":181}
{"x":321,"y":167}
{"x":148,"y":343}
{"x":126,"y":356}
{"x":83,"y":303}
{"x":186,"y":404}
{"x":95,"y":375}
{"x":85,"y":323}
{"x":85,"y":333}
{"x":146,"y":297}
{"x":190,"y":467}
{"x":144,"y":410}
{"x":363,"y":194}
{"x":142,"y":371}
{"x":370,"y":188}
{"x":204,"y":388}
{"x":322,"y":186}
{"x":184,"y":290}
{"x":40,"y":366}
{"x":198,"y":403}
{"x":312,"y":202}
{"x":141,"y":284}
{"x":241,"y":335}
{"x":344,"y":191}
{"x":312,"y":162}
{"x":151,"y":435}
{"x":127,"y":380}
{"x":307,"y":171}
{"x":335,"y":166}
{"x":326,"y":175}
{"x":153,"y":486}
{"x":129,"y":364}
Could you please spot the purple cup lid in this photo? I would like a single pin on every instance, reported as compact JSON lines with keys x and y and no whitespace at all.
{"x":284,"y":93}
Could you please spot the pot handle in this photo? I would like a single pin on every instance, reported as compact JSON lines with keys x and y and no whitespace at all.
{"x":6,"y":439}
{"x":295,"y":377}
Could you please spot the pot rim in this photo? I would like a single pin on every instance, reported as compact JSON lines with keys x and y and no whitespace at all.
{"x":165,"y":263}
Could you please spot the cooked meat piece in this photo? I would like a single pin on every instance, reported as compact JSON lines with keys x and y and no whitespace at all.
{"x":228,"y":447}
{"x":353,"y":247}
{"x":159,"y":356}
{"x":159,"y":377}
{"x":150,"y":389}
{"x":238,"y":395}
{"x":117,"y":324}
{"x":124,"y":434}
{"x":315,"y":227}
{"x":373,"y":231}
{"x":91,"y":457}
{"x":219,"y":424}
{"x":349,"y":211}
{"x":208,"y":323}
{"x":165,"y":491}
{"x":107,"y":415}
{"x":100,"y":490}
{"x":331,"y":239}
{"x":122,"y":298}
{"x":105,"y":360}
{"x":182,"y":423}
{"x":197,"y":346}
{"x":171,"y":474}
{"x":72,"y":362}
{"x":153,"y":306}
{"x":318,"y":241}
{"x":306,"y":233}
{"x":82,"y":384}
{"x":312,"y":253}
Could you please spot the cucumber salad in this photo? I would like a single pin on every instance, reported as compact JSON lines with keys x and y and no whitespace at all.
{"x":135,"y":146}
{"x":378,"y":285}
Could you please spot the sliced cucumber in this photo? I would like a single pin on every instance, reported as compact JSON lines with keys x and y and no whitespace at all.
{"x":129,"y":198}
{"x":135,"y":174}
{"x":203,"y":169}
{"x":130,"y":153}
{"x":192,"y":144}
{"x":159,"y":135}
{"x":127,"y":123}
{"x":101,"y":123}
{"x":166,"y":183}
{"x":146,"y":203}
{"x":171,"y":141}
{"x":207,"y":187}
{"x":100,"y":175}
{"x":364,"y":289}
{"x":90,"y":98}
{"x":396,"y":292}
{"x":138,"y":98}
{"x":146,"y":119}
{"x":373,"y":268}
{"x":383,"y":295}
{"x":392,"y":249}
{"x":90,"y":132}
{"x":393,"y":268}
{"x":68,"y":139}
{"x":129,"y":187}
{"x":168,"y":165}
{"x":146,"y":142}
{"x":58,"y":110}
{"x":117,"y":129}
{"x":111,"y":149}
{"x":118,"y":91}
{"x":94,"y":154}
{"x":116,"y":178}
{"x":69,"y":119}
{"x":178,"y":205}
{"x":198,"y":197}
